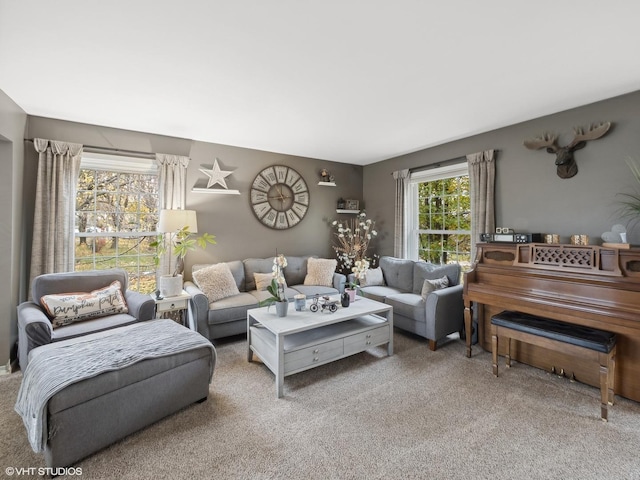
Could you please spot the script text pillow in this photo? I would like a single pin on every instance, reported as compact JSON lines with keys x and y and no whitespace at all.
{"x":432,"y":285}
{"x":216,"y":282}
{"x":320,"y":271}
{"x":373,"y":276}
{"x":66,"y":308}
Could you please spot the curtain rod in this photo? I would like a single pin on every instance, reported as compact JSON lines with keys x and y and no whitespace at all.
{"x":431,"y":166}
{"x":97,"y":149}
{"x":445,"y":163}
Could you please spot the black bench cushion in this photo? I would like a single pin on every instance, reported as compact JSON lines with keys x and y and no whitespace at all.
{"x":591,"y":338}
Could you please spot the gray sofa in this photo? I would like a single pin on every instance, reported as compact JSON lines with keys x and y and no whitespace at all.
{"x":440,"y":314}
{"x":35,"y":327}
{"x":228,"y":316}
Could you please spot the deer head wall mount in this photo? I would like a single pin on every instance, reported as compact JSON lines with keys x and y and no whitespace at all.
{"x":567,"y":166}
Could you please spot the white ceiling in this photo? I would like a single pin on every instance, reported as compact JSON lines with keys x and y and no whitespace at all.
{"x":353,"y":81}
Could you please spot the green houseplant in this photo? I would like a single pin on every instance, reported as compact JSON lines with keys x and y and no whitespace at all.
{"x":179,"y":244}
{"x":631,"y":202}
{"x":176,"y":237}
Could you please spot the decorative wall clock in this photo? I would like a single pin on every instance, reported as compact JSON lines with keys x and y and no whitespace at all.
{"x":279,"y":197}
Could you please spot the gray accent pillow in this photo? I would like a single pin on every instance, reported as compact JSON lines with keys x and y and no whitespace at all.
{"x":433,"y":285}
{"x":373,"y":277}
{"x":426,"y":270}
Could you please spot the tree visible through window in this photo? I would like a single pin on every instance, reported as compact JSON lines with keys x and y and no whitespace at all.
{"x":116,"y":218}
{"x":439,"y":216}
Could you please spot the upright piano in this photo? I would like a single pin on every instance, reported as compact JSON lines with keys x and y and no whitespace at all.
{"x":589,"y":285}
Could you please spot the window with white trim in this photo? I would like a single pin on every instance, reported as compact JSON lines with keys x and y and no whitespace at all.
{"x":438,"y":215}
{"x":116,"y":217}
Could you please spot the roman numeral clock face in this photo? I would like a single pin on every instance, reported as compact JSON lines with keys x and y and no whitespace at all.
{"x":279,"y":197}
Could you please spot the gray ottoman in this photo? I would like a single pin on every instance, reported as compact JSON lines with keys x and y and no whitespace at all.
{"x":92,"y":413}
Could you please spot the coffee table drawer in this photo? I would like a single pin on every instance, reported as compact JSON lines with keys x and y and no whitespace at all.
{"x":316,"y":354}
{"x":362,"y":341}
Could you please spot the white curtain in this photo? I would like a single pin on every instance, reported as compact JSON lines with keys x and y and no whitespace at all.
{"x":482,"y":172}
{"x":172,"y":181}
{"x":172,"y":192}
{"x":399,"y":245}
{"x":53,"y":243}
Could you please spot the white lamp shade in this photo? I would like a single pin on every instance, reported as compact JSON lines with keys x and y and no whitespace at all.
{"x":173,"y":220}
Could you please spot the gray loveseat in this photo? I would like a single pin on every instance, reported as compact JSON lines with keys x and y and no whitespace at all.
{"x":35,"y":327}
{"x":228,"y":316}
{"x":439,"y":314}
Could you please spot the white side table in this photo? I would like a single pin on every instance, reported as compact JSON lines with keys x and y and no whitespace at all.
{"x":179,"y":303}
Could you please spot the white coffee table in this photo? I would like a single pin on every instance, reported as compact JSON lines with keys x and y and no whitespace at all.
{"x":304,"y":340}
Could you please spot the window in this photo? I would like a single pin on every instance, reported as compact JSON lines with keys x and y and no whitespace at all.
{"x":438,"y":213}
{"x":116,"y":217}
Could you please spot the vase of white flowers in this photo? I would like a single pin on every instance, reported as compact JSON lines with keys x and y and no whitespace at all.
{"x":276,"y":287}
{"x":352,"y":241}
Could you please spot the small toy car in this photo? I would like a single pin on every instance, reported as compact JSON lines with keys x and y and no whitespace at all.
{"x":327,"y":304}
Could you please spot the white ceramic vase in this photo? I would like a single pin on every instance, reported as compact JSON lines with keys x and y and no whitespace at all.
{"x":170,"y":286}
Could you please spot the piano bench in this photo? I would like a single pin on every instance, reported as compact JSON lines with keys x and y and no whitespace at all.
{"x":583,"y":342}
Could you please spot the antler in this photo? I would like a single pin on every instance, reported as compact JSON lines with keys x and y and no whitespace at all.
{"x":591,"y":134}
{"x":546,"y":140}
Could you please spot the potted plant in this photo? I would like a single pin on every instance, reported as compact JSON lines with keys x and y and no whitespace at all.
{"x":176,"y":242}
{"x":631,"y":204}
{"x":359,"y":271}
{"x":276,"y":287}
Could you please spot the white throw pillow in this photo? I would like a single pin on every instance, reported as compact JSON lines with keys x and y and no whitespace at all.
{"x":432,"y":285}
{"x":66,"y":308}
{"x":373,"y":276}
{"x":320,"y":271}
{"x":216,"y":282}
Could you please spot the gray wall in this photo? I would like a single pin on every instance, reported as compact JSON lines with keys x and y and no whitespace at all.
{"x":13,"y":122}
{"x":229,"y":217}
{"x":530,"y":197}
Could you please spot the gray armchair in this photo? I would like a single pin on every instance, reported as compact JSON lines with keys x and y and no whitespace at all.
{"x":35,"y":327}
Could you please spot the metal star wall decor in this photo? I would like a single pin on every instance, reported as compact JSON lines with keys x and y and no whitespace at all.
{"x":216,"y":176}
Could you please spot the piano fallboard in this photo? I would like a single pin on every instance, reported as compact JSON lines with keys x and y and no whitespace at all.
{"x":585,"y":285}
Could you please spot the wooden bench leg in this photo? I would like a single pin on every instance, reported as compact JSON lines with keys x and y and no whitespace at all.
{"x":607,"y":381}
{"x":612,"y":375}
{"x":604,"y":392}
{"x":508,"y":355}
{"x":494,"y":352}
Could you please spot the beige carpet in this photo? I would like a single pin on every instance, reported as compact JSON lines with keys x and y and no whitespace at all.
{"x":417,"y":414}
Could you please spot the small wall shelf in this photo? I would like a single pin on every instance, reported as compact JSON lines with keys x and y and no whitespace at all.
{"x":340,"y":210}
{"x":219,"y":191}
{"x":327,"y":184}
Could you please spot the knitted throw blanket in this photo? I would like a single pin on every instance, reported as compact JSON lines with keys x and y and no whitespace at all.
{"x":51,"y":370}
